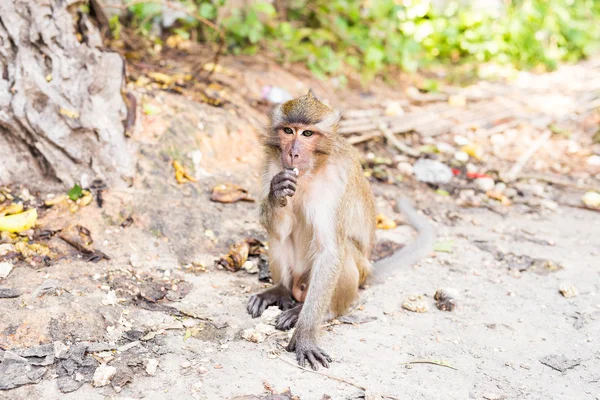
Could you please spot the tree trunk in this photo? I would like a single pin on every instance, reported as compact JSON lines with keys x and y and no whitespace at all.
{"x":61,"y":109}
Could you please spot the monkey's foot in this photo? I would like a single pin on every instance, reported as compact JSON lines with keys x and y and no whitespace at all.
{"x":307,"y":350}
{"x":279,"y":296}
{"x":288,"y":318}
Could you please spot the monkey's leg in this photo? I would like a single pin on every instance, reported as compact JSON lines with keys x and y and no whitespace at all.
{"x":346,"y":288}
{"x":288,"y":318}
{"x":277,"y":295}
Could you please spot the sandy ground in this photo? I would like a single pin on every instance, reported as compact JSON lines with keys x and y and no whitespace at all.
{"x":506,"y":323}
{"x":512,"y":336}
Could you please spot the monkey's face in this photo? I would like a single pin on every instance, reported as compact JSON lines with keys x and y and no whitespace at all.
{"x":300,"y":147}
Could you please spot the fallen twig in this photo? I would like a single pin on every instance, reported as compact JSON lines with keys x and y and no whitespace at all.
{"x":559,"y":182}
{"x":87,"y":254}
{"x":335,"y":378}
{"x":525,"y":157}
{"x":389,"y":136}
{"x":432,"y":362}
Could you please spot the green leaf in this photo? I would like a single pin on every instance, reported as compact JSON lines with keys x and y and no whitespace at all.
{"x":75,"y":192}
{"x":207,"y":10}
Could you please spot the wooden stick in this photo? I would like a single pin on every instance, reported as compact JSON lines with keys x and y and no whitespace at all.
{"x":335,"y":378}
{"x":432,"y":362}
{"x":525,"y":157}
{"x":389,"y":136}
{"x":559,"y":182}
{"x":363,"y":138}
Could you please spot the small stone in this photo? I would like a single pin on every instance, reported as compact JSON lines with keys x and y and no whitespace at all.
{"x":250,"y":267}
{"x":591,"y":199}
{"x":445,"y":148}
{"x":594,"y":160}
{"x":568,"y":290}
{"x":461,"y":140}
{"x":186,"y":364}
{"x":500,"y":187}
{"x":415,"y":303}
{"x":197,"y":386}
{"x":405,"y":168}
{"x":110,"y":299}
{"x":485,"y":184}
{"x":461,"y":156}
{"x":5,"y":269}
{"x":151,"y":366}
{"x":103,"y":375}
{"x":394,"y":109}
{"x":549,"y":204}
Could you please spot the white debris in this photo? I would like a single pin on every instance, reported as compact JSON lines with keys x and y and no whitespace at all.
{"x":151,"y":366}
{"x":270,"y":315}
{"x":103,"y":375}
{"x":5,"y":268}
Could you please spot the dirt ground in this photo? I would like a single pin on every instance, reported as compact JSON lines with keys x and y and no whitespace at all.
{"x":174,"y":331}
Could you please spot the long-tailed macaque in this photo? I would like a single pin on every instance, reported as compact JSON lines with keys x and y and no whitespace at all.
{"x":319,"y":213}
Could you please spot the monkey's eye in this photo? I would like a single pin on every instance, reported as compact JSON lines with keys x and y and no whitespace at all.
{"x":307,"y":133}
{"x":289,"y":131}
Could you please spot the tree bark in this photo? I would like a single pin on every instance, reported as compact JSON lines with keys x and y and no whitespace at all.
{"x":61,"y":105}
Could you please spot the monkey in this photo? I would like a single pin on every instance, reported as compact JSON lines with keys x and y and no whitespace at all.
{"x":319,"y":213}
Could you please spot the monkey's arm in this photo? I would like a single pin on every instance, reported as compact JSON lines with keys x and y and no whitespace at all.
{"x":419,"y":248}
{"x":324,"y":275}
{"x":281,"y":186}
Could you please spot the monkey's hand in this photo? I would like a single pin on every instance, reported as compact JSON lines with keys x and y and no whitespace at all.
{"x":306,"y":349}
{"x":283,"y":186}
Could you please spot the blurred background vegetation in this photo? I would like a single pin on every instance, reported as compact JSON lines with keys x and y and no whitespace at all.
{"x":377,"y":37}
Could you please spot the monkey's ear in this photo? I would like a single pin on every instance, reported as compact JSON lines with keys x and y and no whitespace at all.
{"x":276,"y":116}
{"x":330,"y":123}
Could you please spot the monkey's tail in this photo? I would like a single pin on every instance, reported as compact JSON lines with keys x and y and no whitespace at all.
{"x":414,"y":251}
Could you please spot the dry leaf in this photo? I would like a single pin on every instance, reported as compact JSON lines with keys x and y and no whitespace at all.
{"x":384,"y":222}
{"x":180,"y":173}
{"x":229,"y":193}
{"x":161,"y":78}
{"x":494,"y":194}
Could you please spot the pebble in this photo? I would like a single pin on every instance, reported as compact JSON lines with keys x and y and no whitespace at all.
{"x":151,"y":366}
{"x":461,"y":140}
{"x":405,"y":168}
{"x":594,"y":160}
{"x":186,"y":364}
{"x":485,"y":184}
{"x":394,"y":109}
{"x":461,"y":156}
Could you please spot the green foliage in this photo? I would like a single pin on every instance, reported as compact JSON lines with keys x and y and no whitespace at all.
{"x":75,"y":192}
{"x":370,"y":36}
